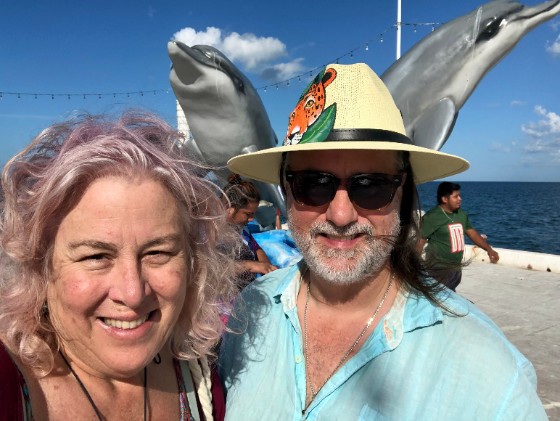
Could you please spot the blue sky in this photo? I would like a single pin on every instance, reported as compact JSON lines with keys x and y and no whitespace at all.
{"x":509,"y":129}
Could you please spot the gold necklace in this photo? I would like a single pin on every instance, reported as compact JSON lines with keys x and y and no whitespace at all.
{"x":446,"y":214}
{"x":350,"y":350}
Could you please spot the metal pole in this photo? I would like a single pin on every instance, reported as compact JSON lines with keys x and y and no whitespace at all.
{"x":398,"y":29}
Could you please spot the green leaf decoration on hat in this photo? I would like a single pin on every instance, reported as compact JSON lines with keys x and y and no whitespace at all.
{"x":322,"y":127}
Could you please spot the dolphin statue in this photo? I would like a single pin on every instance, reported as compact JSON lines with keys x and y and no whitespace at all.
{"x":432,"y":81}
{"x":225,"y":114}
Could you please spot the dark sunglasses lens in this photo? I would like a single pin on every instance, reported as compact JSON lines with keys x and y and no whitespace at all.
{"x":313,"y":189}
{"x":371,"y":192}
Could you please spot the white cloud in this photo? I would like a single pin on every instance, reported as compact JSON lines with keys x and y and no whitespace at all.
{"x":251,"y":50}
{"x":517,"y":103}
{"x":253,"y":53}
{"x":283,"y":71}
{"x":547,"y":126}
{"x":212,"y":36}
{"x":545,"y":135}
{"x":536,"y":146}
{"x":545,"y":151}
{"x":554,"y":48}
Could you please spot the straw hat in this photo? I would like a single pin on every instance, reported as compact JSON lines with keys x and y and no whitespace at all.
{"x":347,"y":107}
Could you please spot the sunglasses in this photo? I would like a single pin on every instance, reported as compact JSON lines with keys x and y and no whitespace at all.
{"x":367,"y":191}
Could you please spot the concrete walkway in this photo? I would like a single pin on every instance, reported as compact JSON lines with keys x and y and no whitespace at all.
{"x":524,"y":303}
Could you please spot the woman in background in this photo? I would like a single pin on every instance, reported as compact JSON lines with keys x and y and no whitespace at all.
{"x":242,"y":202}
{"x":110,"y":276}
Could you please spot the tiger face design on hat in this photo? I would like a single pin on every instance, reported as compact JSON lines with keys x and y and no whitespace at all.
{"x":310,"y":121}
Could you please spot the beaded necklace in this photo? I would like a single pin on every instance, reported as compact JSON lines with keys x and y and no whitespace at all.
{"x":90,"y":399}
{"x":185,"y":410}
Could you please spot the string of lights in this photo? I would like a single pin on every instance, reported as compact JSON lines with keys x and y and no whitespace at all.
{"x":364,"y":47}
{"x":21,"y":95}
{"x":284,"y":83}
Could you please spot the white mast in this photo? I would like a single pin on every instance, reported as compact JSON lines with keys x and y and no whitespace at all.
{"x":398,"y":29}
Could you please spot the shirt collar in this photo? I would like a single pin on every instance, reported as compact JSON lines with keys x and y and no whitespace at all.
{"x":287,"y":290}
{"x":409,"y":311}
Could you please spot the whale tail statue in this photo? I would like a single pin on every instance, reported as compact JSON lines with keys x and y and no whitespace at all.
{"x":432,"y":81}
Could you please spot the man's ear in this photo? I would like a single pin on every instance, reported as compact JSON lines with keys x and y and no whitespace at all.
{"x":445,"y":199}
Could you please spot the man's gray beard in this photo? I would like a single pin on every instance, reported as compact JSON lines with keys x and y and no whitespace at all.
{"x":342,"y":266}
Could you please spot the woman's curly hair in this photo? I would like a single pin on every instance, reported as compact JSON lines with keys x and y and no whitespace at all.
{"x":47,"y":179}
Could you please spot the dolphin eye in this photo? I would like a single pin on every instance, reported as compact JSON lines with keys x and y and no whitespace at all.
{"x":491,"y":28}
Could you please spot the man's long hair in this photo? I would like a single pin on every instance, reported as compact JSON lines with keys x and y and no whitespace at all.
{"x":406,"y":261}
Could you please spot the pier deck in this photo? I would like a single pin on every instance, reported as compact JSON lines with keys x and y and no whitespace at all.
{"x":524,"y":303}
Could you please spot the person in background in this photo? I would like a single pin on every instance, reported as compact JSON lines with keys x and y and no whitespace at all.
{"x":444,"y":228}
{"x":357,"y":330}
{"x":242,"y":201}
{"x":110,"y":276}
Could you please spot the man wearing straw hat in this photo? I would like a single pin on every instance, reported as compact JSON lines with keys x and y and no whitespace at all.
{"x":356,"y":330}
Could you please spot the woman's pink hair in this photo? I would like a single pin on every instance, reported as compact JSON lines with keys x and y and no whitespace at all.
{"x":47,"y":179}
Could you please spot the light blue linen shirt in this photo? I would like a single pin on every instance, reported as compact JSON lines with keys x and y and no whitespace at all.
{"x":420,"y":363}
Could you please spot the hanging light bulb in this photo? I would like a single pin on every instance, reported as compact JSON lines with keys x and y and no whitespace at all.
{"x":380,"y":37}
{"x":367,"y":46}
{"x":414,"y":28}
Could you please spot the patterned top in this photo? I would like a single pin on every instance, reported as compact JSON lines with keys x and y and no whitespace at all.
{"x":15,"y":405}
{"x":248,"y":251}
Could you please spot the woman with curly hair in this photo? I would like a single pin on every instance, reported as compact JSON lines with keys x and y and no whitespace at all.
{"x":110,"y":276}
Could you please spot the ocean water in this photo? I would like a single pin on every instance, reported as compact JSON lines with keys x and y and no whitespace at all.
{"x":514,"y":215}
